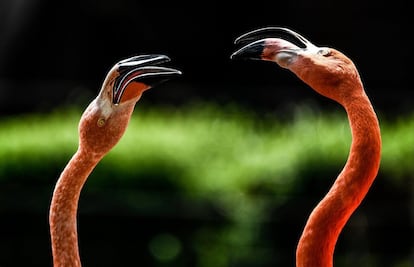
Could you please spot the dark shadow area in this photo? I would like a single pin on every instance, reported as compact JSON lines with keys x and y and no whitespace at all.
{"x":54,"y":54}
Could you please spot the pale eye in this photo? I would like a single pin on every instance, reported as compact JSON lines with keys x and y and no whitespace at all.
{"x":324,"y":52}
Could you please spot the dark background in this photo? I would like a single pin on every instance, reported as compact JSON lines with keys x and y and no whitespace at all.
{"x":56,"y":53}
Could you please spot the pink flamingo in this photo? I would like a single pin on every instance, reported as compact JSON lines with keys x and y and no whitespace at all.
{"x":332,"y":74}
{"x":100,"y":128}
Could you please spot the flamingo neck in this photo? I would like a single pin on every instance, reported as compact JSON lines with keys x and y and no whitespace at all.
{"x":317,"y":243}
{"x":63,"y":209}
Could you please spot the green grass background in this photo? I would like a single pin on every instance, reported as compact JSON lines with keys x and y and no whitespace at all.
{"x":241,"y":163}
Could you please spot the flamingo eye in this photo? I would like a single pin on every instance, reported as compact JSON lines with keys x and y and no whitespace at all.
{"x":101,"y":122}
{"x":324,"y":52}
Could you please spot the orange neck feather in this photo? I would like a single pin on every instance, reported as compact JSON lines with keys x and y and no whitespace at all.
{"x":95,"y":141}
{"x":63,"y":211}
{"x":317,"y":243}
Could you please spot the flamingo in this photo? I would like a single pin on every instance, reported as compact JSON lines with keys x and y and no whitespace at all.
{"x":100,"y":128}
{"x":333,"y":75}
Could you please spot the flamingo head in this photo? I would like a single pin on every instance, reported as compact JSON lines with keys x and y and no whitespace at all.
{"x":106,"y":118}
{"x":328,"y":71}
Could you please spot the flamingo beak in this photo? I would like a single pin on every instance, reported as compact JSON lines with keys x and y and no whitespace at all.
{"x":252,"y":50}
{"x":278,"y":50}
{"x":139,"y":73}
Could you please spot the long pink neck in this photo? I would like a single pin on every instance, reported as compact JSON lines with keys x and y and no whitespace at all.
{"x":63,"y":209}
{"x":317,"y":243}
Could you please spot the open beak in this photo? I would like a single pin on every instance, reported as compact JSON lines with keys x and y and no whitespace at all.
{"x":258,"y":46}
{"x":142,"y":69}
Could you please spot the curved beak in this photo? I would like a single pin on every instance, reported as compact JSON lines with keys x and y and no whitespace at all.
{"x":252,"y":50}
{"x":142,"y":69}
{"x":280,"y":49}
{"x":280,"y":31}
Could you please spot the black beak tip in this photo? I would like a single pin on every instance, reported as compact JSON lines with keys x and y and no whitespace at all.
{"x":239,"y":55}
{"x":160,"y":77}
{"x":235,"y":55}
{"x":250,"y":51}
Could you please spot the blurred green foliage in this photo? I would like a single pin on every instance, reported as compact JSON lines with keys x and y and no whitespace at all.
{"x":204,"y":148}
{"x":241,"y":163}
